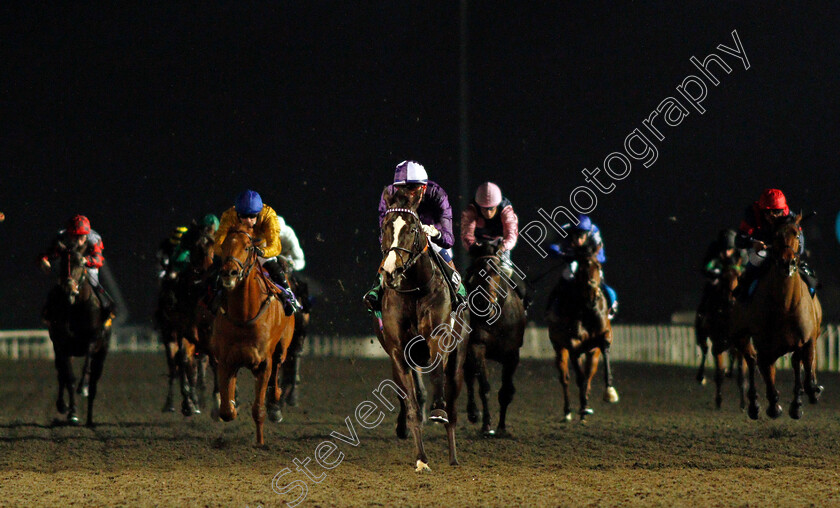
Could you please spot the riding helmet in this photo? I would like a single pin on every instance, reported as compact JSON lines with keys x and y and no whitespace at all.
{"x":248,"y":202}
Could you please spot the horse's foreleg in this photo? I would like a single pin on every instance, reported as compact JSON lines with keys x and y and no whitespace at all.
{"x":795,"y":410}
{"x":809,"y":359}
{"x":274,"y":393}
{"x":422,"y":394}
{"x":561,"y":359}
{"x":69,"y":383}
{"x":227,"y":390}
{"x":741,"y":363}
{"x":719,"y":375}
{"x":752,"y":394}
{"x":454,"y":383}
{"x":507,"y":390}
{"x":60,"y":404}
{"x":767,"y":368}
{"x":589,"y":370}
{"x":97,"y":365}
{"x":610,"y":393}
{"x":480,"y":353}
{"x":406,"y":382}
{"x":262,"y":374}
{"x":182,"y":359}
{"x":171,"y":351}
{"x":704,"y":348}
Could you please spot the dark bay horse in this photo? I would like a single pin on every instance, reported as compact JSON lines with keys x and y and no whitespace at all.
{"x":77,"y":328}
{"x":422,"y":329}
{"x":712,"y":325}
{"x":578,"y":325}
{"x":496,"y":336}
{"x":290,"y":377}
{"x":251,"y":329}
{"x":781,"y":317}
{"x":185,"y":327}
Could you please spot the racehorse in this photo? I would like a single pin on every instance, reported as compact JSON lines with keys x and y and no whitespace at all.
{"x":496,"y":335}
{"x":421,"y":328}
{"x":290,"y":376}
{"x":781,"y":317}
{"x":77,"y":328}
{"x":185,"y":327}
{"x":578,"y":324}
{"x":712,"y":325}
{"x":251,"y":329}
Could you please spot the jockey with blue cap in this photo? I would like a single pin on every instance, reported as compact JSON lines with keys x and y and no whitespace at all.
{"x":249,"y":209}
{"x":435,"y":214}
{"x":583,"y":235}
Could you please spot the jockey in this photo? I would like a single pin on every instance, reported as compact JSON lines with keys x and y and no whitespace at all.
{"x":490,"y":217}
{"x":756,"y":234}
{"x":79,"y":236}
{"x":436,"y":215}
{"x":249,"y":209}
{"x":721,"y":255}
{"x":292,"y":253}
{"x":583,"y":235}
{"x":167,"y":248}
{"x":180,"y":259}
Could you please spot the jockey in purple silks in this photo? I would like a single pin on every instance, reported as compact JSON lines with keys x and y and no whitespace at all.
{"x":435,"y":214}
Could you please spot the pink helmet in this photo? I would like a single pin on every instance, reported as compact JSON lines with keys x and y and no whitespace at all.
{"x":488,"y":195}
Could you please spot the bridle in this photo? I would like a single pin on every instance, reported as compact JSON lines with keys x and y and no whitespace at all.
{"x":413,"y":254}
{"x":250,"y":258}
{"x":789,"y":267}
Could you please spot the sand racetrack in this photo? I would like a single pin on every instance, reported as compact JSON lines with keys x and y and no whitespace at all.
{"x":662,"y":444}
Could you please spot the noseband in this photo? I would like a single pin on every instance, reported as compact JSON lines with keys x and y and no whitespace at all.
{"x":250,"y":260}
{"x":413,"y":254}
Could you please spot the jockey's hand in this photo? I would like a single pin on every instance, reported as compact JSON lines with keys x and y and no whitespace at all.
{"x":259,"y":251}
{"x":759,"y":245}
{"x":431,"y":231}
{"x":45,"y":265}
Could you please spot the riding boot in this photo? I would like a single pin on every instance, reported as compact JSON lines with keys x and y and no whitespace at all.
{"x":810,"y":278}
{"x":612,"y":300}
{"x":290,"y":304}
{"x":373,"y":298}
{"x":453,"y":279}
{"x":107,"y":305}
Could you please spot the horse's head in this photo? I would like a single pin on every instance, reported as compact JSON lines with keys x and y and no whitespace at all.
{"x":239,"y":256}
{"x":785,"y":247}
{"x":486,"y":265}
{"x":588,"y":277}
{"x":201,"y":253}
{"x":403,"y":240}
{"x":72,"y":273}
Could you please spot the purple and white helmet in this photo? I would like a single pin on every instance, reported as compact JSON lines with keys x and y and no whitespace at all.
{"x":408,"y":172}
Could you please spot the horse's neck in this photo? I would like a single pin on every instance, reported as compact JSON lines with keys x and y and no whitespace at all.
{"x":246,"y":298}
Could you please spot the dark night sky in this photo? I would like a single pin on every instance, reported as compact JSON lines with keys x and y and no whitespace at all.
{"x":145,"y":118}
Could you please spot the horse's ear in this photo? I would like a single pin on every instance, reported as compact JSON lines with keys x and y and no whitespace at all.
{"x":414,"y":201}
{"x":389,"y":194}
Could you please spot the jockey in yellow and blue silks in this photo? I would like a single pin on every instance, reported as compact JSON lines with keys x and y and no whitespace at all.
{"x":249,"y":209}
{"x":583,"y":235}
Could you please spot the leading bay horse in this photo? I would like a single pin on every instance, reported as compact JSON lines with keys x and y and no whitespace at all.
{"x":77,"y":328}
{"x":781,"y":317}
{"x":421,"y":328}
{"x":578,"y":324}
{"x":712,"y":325}
{"x":497,"y":335}
{"x":251,"y":329}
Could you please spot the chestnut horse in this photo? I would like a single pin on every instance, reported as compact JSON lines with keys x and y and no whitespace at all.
{"x":781,"y":317}
{"x":578,"y":324}
{"x":251,"y":330}
{"x":421,"y":328}
{"x":712,"y":325}
{"x":498,"y":335}
{"x":77,"y":328}
{"x":185,"y":326}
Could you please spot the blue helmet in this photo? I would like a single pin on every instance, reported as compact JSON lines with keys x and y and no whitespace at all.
{"x":248,"y":202}
{"x":584,"y":223}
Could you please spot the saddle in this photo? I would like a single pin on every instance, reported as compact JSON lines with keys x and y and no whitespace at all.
{"x":453,"y":280}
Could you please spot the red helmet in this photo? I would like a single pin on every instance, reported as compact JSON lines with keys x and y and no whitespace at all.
{"x":773,"y":199}
{"x":78,"y":225}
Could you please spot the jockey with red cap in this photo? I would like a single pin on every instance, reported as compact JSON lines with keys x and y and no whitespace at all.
{"x":78,"y":236}
{"x":250,"y":210}
{"x":435,"y":214}
{"x":756,"y":233}
{"x":490,"y":217}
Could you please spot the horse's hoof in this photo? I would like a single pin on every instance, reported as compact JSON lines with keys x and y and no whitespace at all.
{"x":488,"y":432}
{"x":501,"y":432}
{"x":718,"y":402}
{"x":275,"y":414}
{"x":472,"y":413}
{"x":61,"y":406}
{"x":439,"y":416}
{"x":795,"y":411}
{"x":587,"y":411}
{"x":815,"y":396}
{"x":702,"y":380}
{"x":421,"y":467}
{"x":72,"y":419}
{"x":187,"y":409}
{"x":90,"y":424}
{"x":774,"y":411}
{"x":83,"y":391}
{"x":567,"y":417}
{"x":753,"y":412}
{"x":611,"y":395}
